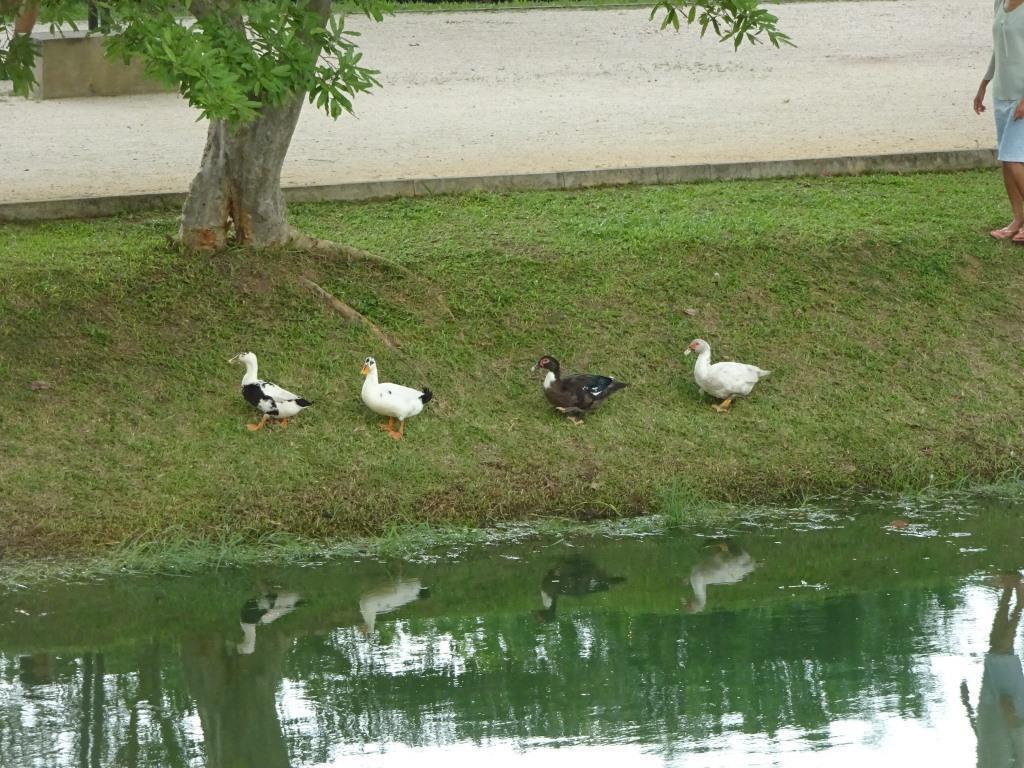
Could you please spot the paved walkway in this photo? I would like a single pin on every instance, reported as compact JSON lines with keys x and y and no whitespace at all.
{"x":552,"y":90}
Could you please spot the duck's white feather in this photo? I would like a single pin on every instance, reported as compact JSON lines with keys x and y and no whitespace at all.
{"x":288,"y":408}
{"x":718,"y":568}
{"x":389,"y":399}
{"x":388,"y":598}
{"x":271,"y":399}
{"x":725,"y":380}
{"x":270,"y":389}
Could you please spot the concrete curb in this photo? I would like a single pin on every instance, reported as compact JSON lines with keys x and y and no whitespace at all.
{"x":907,"y":162}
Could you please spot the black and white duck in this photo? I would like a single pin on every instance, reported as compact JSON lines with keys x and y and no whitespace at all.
{"x":269,"y":399}
{"x":577,"y":394}
{"x":265,"y":609}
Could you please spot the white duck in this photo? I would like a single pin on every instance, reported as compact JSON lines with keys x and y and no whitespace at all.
{"x":726,"y":381}
{"x":387,"y":598}
{"x":271,"y":400}
{"x":724,"y":565}
{"x":391,"y":400}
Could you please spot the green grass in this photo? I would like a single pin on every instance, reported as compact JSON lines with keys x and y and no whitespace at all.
{"x":891,"y":322}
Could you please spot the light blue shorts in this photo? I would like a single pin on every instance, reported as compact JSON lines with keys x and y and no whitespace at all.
{"x":1009,"y":132}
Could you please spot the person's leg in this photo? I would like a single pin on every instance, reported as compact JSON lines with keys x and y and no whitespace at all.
{"x":1002,"y":111}
{"x":1004,"y":628}
{"x":1013,"y":180}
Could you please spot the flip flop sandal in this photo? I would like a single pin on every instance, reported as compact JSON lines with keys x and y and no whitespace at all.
{"x":1005,"y":233}
{"x":1018,"y":238}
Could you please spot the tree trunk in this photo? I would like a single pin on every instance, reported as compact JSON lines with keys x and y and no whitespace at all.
{"x":236,"y":697}
{"x":237,"y":191}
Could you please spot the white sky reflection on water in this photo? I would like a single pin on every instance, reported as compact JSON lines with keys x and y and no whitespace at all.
{"x":941,"y":736}
{"x":865,"y":672}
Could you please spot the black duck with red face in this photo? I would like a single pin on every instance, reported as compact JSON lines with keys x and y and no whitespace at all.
{"x":577,"y":394}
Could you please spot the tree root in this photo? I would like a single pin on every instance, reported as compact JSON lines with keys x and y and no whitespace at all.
{"x":348,"y":312}
{"x":352,"y":254}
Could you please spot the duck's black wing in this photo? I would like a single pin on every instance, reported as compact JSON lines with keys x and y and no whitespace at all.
{"x":255,"y":395}
{"x":577,"y":575}
{"x":590,"y":388}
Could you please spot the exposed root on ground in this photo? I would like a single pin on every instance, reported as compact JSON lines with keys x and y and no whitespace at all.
{"x":352,"y":254}
{"x":348,"y":312}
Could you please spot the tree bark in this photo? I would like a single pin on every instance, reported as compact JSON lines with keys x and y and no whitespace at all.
{"x":237,"y":192}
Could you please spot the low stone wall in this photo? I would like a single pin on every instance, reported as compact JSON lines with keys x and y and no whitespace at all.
{"x":905,"y":162}
{"x":75,"y":65}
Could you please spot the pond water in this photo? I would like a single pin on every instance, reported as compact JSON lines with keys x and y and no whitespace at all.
{"x":836,"y":635}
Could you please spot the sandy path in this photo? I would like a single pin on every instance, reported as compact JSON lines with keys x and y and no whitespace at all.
{"x":547,"y":90}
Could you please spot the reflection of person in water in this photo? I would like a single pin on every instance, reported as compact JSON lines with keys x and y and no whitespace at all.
{"x":723,"y":563}
{"x":576,"y":576}
{"x":266,"y":608}
{"x":1000,"y":718}
{"x":389,"y":598}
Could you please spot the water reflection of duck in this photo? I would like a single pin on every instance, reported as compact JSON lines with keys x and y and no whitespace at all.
{"x":266,"y":608}
{"x":389,"y":598}
{"x":576,"y":576}
{"x":723,"y":563}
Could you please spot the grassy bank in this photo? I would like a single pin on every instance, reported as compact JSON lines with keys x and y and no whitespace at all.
{"x":892,"y":324}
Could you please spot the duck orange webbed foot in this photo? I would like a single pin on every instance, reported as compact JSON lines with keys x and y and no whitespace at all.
{"x":397,"y":435}
{"x":259,"y":425}
{"x":390,"y":426}
{"x":724,"y":407}
{"x":283,"y":423}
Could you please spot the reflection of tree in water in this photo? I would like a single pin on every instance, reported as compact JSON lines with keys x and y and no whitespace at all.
{"x":236,"y":696}
{"x":669,"y":679}
{"x":120,"y":708}
{"x":130,"y":708}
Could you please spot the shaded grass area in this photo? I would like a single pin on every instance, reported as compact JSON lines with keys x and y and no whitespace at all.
{"x":892,"y":324}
